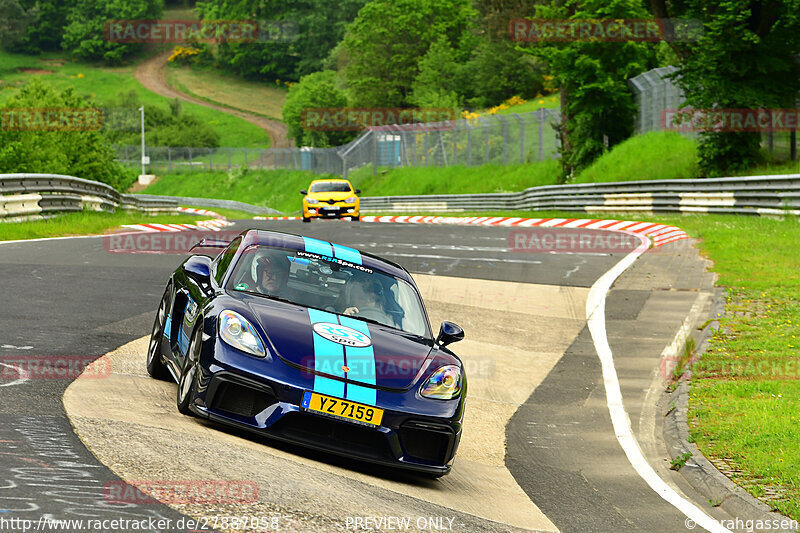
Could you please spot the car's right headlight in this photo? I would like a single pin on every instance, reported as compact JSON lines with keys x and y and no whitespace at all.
{"x":311,"y":201}
{"x":351,"y":200}
{"x":235,"y":330}
{"x":444,"y":384}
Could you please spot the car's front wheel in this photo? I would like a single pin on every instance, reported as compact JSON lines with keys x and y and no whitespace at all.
{"x":187,"y":384}
{"x":155,"y":365}
{"x":306,"y":219}
{"x":355,"y":219}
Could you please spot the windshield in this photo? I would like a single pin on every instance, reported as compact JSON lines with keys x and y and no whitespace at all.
{"x":330,"y":186}
{"x":339,"y":287}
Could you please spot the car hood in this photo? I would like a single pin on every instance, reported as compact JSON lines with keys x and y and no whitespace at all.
{"x":331,"y":345}
{"x":337,"y":196}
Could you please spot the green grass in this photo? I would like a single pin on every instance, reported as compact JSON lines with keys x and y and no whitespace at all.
{"x":654,"y":155}
{"x":104,"y":84}
{"x":217,"y":87}
{"x":279,"y":189}
{"x":83,"y":223}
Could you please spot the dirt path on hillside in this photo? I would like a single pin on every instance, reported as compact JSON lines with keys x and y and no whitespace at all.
{"x":152,"y":74}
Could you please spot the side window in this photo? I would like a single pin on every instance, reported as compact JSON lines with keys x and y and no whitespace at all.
{"x":225,"y":259}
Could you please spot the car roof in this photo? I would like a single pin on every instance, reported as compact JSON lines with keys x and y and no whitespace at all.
{"x":335,"y":180}
{"x":300,"y":243}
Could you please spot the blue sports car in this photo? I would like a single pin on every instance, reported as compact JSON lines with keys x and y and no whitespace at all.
{"x":313,"y":343}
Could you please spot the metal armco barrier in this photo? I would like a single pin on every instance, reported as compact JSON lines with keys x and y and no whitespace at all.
{"x":754,"y":195}
{"x":27,"y":195}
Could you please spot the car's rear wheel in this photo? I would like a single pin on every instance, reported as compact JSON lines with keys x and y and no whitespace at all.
{"x":155,"y":365}
{"x":187,"y":385}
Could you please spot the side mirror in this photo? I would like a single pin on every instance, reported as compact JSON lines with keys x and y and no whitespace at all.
{"x":198,"y":267}
{"x":449,"y":333}
{"x":358,"y":191}
{"x":304,"y":192}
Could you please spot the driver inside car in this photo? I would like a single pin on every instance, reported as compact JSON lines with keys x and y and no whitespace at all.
{"x":272,"y":273}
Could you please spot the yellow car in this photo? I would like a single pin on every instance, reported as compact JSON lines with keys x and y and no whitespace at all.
{"x":330,"y":199}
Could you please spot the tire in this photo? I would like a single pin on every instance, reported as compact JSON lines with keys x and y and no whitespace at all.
{"x":155,"y":365}
{"x":355,"y":219}
{"x":187,"y":385}
{"x":306,"y":219}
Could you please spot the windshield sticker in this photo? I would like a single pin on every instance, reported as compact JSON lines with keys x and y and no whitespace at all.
{"x":334,"y":260}
{"x":241,"y":287}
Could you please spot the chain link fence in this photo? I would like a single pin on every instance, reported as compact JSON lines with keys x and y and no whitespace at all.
{"x":655,"y":92}
{"x":500,"y":139}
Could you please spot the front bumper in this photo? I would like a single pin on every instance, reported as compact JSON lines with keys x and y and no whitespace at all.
{"x":270,"y":407}
{"x":324,"y":210}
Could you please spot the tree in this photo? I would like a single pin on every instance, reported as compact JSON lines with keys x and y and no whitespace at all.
{"x":84,"y":35}
{"x":313,"y":29}
{"x":29,"y":146}
{"x":597,"y":107}
{"x":318,"y":90}
{"x":14,"y":21}
{"x":385,"y":43}
{"x":745,"y":59}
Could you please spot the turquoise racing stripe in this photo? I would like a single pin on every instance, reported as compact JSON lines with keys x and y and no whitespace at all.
{"x":316,"y":246}
{"x":347,"y":254}
{"x":361,"y":362}
{"x":328,"y":357}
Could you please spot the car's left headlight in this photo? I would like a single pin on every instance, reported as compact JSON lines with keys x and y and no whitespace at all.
{"x":235,"y":330}
{"x":311,"y":201}
{"x":444,"y":384}
{"x":351,"y":200}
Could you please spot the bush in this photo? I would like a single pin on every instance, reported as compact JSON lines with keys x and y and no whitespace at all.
{"x":83,"y":154}
{"x":313,"y":91}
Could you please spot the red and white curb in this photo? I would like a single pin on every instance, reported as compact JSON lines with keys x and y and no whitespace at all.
{"x":202,"y":225}
{"x":204,"y":212}
{"x":659,"y":234}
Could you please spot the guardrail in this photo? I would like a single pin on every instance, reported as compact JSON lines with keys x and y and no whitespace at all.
{"x":210,"y":202}
{"x":756,"y":195}
{"x":30,"y":195}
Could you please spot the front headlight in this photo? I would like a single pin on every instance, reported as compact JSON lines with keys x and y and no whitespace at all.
{"x":351,"y":200}
{"x":235,"y":330}
{"x":444,"y":384}
{"x":311,"y":201}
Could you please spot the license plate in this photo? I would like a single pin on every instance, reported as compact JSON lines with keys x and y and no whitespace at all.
{"x":330,"y":208}
{"x":344,"y":409}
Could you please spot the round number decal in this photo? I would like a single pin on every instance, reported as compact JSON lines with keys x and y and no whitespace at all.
{"x":342,"y":334}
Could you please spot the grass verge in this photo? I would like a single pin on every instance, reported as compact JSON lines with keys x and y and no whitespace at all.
{"x":279,"y":189}
{"x":83,"y":223}
{"x":216,"y":87}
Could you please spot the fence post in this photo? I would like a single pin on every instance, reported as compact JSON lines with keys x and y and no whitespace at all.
{"x":427,"y":147}
{"x":245,"y":158}
{"x":374,"y":136}
{"x":455,"y":142}
{"x":505,"y":139}
{"x":521,"y":137}
{"x":210,"y":159}
{"x":486,"y":143}
{"x":541,"y":133}
{"x":169,"y":158}
{"x":191,"y":160}
{"x":469,"y":143}
{"x":793,"y":144}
